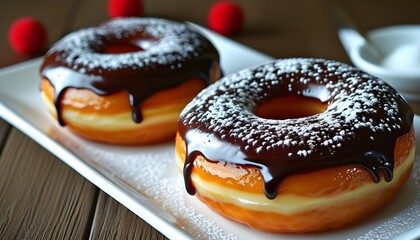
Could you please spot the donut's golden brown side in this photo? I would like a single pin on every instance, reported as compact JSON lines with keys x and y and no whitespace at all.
{"x":126,"y":80}
{"x":296,"y":145}
{"x":315,"y":201}
{"x":109,"y":118}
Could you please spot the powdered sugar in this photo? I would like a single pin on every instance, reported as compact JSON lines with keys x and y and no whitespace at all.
{"x":153,"y":173}
{"x":357,"y":101}
{"x":169,"y":44}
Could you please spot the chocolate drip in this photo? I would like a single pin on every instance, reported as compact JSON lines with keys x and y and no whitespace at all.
{"x":242,"y":139}
{"x":276,"y":169}
{"x":138,"y":85}
{"x":167,"y":68}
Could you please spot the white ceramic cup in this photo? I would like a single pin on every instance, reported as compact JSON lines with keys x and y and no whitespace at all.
{"x":399,"y":64}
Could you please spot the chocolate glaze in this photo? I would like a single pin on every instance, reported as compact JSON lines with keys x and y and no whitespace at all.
{"x":364,"y":119}
{"x":173,"y":53}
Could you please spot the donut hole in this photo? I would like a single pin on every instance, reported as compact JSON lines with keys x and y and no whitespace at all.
{"x":121,"y":48}
{"x":288,"y":107}
{"x":126,"y":47}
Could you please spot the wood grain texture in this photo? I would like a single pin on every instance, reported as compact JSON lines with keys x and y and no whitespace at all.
{"x":4,"y":130}
{"x":114,"y":221}
{"x":41,"y":197}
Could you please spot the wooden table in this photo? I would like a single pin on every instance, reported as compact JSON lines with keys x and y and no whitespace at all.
{"x":41,"y":197}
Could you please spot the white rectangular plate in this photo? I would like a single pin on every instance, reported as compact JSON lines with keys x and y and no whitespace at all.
{"x":146,"y":179}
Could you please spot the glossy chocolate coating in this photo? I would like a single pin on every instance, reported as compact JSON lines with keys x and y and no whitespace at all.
{"x":171,"y":54}
{"x":363,"y":120}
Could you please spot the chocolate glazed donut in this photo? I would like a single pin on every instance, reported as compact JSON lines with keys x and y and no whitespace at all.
{"x":161,"y":54}
{"x":296,"y":145}
{"x":364,"y":118}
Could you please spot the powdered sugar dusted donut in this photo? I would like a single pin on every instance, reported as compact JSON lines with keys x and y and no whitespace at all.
{"x":296,"y":145}
{"x":139,"y":57}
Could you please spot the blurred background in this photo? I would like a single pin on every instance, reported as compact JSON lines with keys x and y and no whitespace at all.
{"x":280,"y":28}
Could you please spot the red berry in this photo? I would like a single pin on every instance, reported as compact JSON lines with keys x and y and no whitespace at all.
{"x":225,"y":18}
{"x":125,"y":8}
{"x":27,"y":36}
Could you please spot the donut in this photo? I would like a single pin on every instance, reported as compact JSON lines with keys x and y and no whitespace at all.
{"x":126,"y":80}
{"x":296,"y":145}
